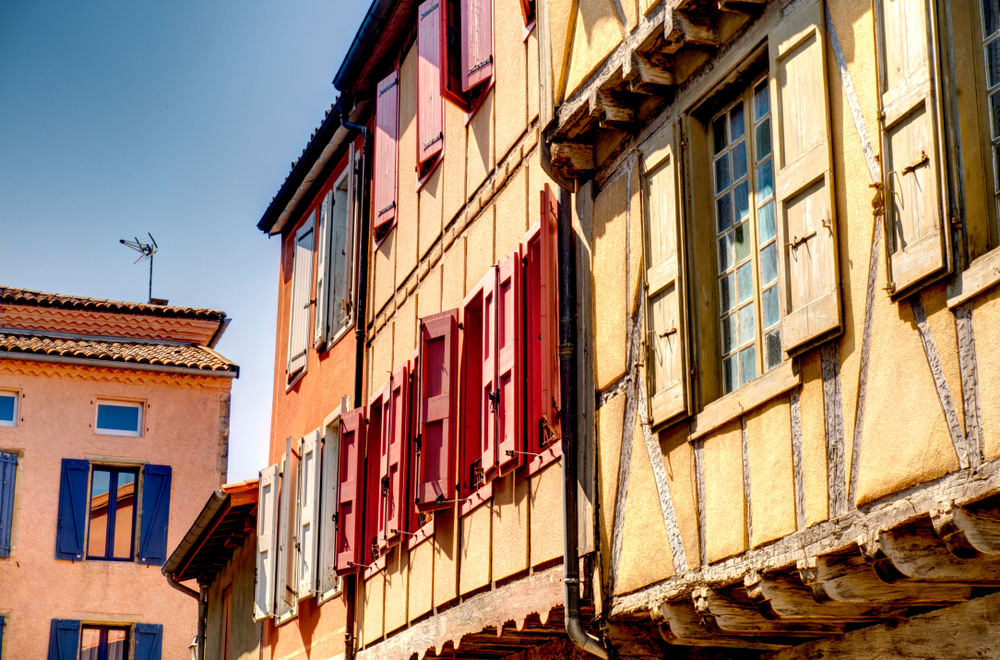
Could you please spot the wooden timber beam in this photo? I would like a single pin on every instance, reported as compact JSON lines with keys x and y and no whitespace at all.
{"x":681,"y":28}
{"x":781,"y":596}
{"x":616,"y":106}
{"x":968,"y":529}
{"x":967,"y":630}
{"x":730,"y":611}
{"x":573,"y":156}
{"x":681,"y":625}
{"x":745,"y":7}
{"x":646,"y":77}
{"x":914,"y":551}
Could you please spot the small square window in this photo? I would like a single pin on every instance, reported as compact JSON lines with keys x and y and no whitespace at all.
{"x":120,"y":418}
{"x":8,"y":408}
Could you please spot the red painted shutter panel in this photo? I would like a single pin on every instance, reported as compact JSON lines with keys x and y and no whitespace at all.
{"x":377,"y":448}
{"x":488,"y":389}
{"x":386,"y":152}
{"x":438,"y":389}
{"x":430,"y":108}
{"x":508,"y":348}
{"x":477,"y":33}
{"x":352,"y":437}
{"x":420,"y":525}
{"x":395,"y":459}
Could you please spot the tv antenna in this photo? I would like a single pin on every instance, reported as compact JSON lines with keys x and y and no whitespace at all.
{"x":146,"y":250}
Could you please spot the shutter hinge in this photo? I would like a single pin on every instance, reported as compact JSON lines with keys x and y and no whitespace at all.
{"x":889,"y":288}
{"x":955,"y":221}
{"x":385,"y":487}
{"x":494,"y":398}
{"x":486,"y":62}
{"x":391,"y":206}
{"x":693,"y":373}
{"x":476,"y":474}
{"x":439,"y":136}
{"x":424,"y":14}
{"x":684,"y":143}
{"x":388,"y":87}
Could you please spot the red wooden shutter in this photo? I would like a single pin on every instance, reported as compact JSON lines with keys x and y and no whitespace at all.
{"x":438,"y":387}
{"x":477,"y":33}
{"x":508,"y":348}
{"x":488,"y":389}
{"x":420,"y":525}
{"x":395,"y":457}
{"x":386,"y":153}
{"x":528,"y":12}
{"x":377,"y":449}
{"x":430,"y":108}
{"x":349,"y":548}
{"x":474,"y":488}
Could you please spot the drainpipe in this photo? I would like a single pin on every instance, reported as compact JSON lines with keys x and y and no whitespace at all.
{"x":360,"y":315}
{"x":180,"y":587}
{"x":567,"y":385}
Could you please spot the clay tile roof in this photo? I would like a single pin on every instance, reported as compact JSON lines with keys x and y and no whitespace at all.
{"x":170,"y":354}
{"x":12,"y":296}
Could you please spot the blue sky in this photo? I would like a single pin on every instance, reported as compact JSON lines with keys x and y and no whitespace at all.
{"x":177,"y":118}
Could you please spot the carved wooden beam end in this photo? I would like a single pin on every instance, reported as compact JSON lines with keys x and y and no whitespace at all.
{"x":573,"y":158}
{"x":681,"y":28}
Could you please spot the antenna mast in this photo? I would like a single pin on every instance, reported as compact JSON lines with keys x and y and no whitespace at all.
{"x":146,"y":251}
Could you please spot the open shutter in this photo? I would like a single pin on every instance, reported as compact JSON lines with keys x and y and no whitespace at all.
{"x":430,"y":106}
{"x":298,"y":323}
{"x":148,"y":641}
{"x":323,"y":258}
{"x":667,"y":329}
{"x":338,"y":258}
{"x":155,"y":514}
{"x":64,"y":639}
{"x":419,"y":524}
{"x":8,"y":472}
{"x":438,"y":389}
{"x":287,"y":530}
{"x":349,"y":510}
{"x":386,"y":153}
{"x":1,"y":634}
{"x":916,"y":197}
{"x":328,"y":580}
{"x":477,"y":32}
{"x":395,"y":460}
{"x":488,"y":388}
{"x":375,"y":483}
{"x":508,"y":348}
{"x":309,"y":493}
{"x":804,"y":191}
{"x":267,"y":532}
{"x":72,"y":508}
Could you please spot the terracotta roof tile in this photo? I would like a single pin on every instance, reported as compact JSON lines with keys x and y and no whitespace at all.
{"x":136,"y":352}
{"x":13,"y":296}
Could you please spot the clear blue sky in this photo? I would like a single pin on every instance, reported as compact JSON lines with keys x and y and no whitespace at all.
{"x":177,"y":118}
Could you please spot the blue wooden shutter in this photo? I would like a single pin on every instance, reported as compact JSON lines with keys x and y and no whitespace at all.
{"x":1,"y":636}
{"x":8,"y":470}
{"x":148,"y":640}
{"x":72,"y":508}
{"x":155,"y":515}
{"x":64,"y":637}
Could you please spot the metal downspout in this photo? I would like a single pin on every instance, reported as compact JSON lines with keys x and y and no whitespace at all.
{"x":568,"y":414}
{"x":180,"y":587}
{"x":361,"y":311}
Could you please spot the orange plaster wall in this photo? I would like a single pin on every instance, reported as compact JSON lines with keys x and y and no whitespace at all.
{"x":181,"y":423}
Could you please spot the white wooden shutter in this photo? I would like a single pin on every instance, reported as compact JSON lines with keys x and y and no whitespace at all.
{"x":807,"y":227}
{"x":328,"y":580}
{"x":285,"y":596}
{"x":915,"y":197}
{"x":320,"y":324}
{"x":298,"y":323}
{"x":308,"y":535}
{"x":267,"y":519}
{"x":666,"y":331}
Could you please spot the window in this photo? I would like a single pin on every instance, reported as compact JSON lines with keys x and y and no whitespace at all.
{"x":467,"y":63}
{"x":99,"y":506}
{"x":301,"y":300}
{"x":334,"y":263}
{"x":438,"y":411}
{"x":8,"y":408}
{"x":8,"y":478}
{"x":119,"y":418}
{"x":112,"y":513}
{"x":103,"y":643}
{"x":71,"y":639}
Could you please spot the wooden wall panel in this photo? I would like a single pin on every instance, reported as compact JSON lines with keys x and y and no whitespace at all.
{"x":678,"y":459}
{"x":986,"y":324}
{"x":510,"y":525}
{"x":769,"y":441}
{"x":814,"y":463}
{"x":610,"y":420}
{"x":610,"y":284}
{"x":725,"y":514}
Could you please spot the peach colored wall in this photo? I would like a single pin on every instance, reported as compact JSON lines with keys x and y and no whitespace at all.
{"x":183,"y":422}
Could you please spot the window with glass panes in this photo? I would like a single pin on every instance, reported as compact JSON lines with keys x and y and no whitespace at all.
{"x":991,"y":48}
{"x":743,"y":179}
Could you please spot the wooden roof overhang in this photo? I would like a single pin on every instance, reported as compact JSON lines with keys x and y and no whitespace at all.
{"x":633,"y":85}
{"x":519,"y":617}
{"x":932,"y":547}
{"x":227,"y":520}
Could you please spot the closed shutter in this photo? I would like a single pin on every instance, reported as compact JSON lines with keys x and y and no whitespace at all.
{"x":386,"y":153}
{"x":667,"y":328}
{"x":72,"y":508}
{"x":155,"y":514}
{"x":395,"y":461}
{"x":287,"y":529}
{"x":477,"y":32}
{"x":148,"y":641}
{"x":2,"y":623}
{"x":916,"y":197}
{"x":328,"y":580}
{"x":488,"y":388}
{"x":298,"y":317}
{"x":309,"y":493}
{"x":267,"y":532}
{"x":438,"y":390}
{"x":64,"y":639}
{"x":807,"y":226}
{"x":338,"y":258}
{"x":473,"y":396}
{"x":508,"y":348}
{"x":420,"y":524}
{"x":375,"y":483}
{"x":323,"y":259}
{"x":8,"y":472}
{"x":430,"y":107}
{"x":349,"y":510}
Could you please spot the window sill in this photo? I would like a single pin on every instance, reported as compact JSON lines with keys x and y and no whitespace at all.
{"x":295,"y":379}
{"x":282,"y":619}
{"x":758,"y":391}
{"x":331,"y":594}
{"x":982,"y":275}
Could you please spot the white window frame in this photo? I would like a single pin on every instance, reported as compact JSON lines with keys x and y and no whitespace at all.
{"x":329,"y":496}
{"x":140,"y":405}
{"x":332,"y":306}
{"x":16,"y":395}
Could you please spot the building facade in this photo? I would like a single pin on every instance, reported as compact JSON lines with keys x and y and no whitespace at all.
{"x":102,"y":397}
